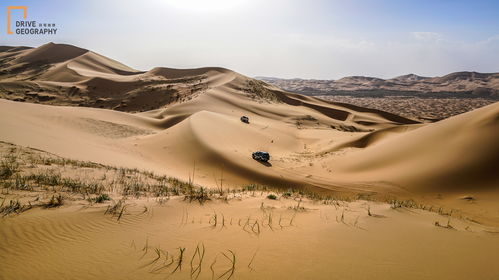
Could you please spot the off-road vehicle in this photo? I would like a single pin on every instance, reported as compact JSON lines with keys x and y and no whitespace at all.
{"x":261,"y":156}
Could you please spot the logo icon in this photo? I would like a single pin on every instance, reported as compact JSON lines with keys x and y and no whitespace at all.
{"x":9,"y":8}
{"x":28,"y":27}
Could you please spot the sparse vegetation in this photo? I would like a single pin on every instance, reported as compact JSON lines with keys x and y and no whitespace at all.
{"x":447,"y":226}
{"x":8,"y":167}
{"x":101,"y":198}
{"x":24,"y":169}
{"x":14,"y":207}
{"x":55,"y":201}
{"x":197,"y":261}
{"x":259,"y":90}
{"x":180,"y":260}
{"x":232,"y":259}
{"x":200,"y":195}
{"x":117,"y":209}
{"x":272,"y":196}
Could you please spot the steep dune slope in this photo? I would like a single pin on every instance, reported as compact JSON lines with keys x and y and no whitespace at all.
{"x":86,"y":66}
{"x":460,"y":153}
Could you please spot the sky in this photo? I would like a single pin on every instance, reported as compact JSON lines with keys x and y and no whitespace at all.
{"x":277,"y":38}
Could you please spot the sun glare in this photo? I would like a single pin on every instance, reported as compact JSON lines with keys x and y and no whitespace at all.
{"x":203,"y":6}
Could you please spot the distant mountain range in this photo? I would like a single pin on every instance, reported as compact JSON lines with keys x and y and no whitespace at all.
{"x":469,"y":83}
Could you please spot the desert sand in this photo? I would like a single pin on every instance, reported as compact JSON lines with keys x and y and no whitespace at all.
{"x":424,"y":109}
{"x":154,"y":227}
{"x":392,"y":197}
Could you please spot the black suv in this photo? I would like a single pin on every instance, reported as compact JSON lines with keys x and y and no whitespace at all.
{"x":261,"y":156}
{"x":245,"y":119}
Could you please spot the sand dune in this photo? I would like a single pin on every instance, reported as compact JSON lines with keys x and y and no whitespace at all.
{"x":124,"y":174}
{"x":50,"y":53}
{"x":86,"y":66}
{"x":172,"y":73}
{"x":220,"y":140}
{"x":459,"y":153}
{"x":182,"y":122}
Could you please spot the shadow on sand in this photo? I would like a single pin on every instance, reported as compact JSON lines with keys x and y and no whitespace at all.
{"x":266,"y":163}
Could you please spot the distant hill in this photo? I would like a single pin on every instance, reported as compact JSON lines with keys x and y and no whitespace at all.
{"x":461,"y":83}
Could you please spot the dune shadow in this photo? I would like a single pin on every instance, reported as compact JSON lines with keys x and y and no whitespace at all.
{"x":266,"y":163}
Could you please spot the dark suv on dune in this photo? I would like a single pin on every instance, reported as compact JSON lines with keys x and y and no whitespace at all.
{"x":261,"y":156}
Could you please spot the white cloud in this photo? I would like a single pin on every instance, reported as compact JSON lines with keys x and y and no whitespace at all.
{"x":427,"y":36}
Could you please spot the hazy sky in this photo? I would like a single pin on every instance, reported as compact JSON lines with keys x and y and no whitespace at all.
{"x":293,"y":38}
